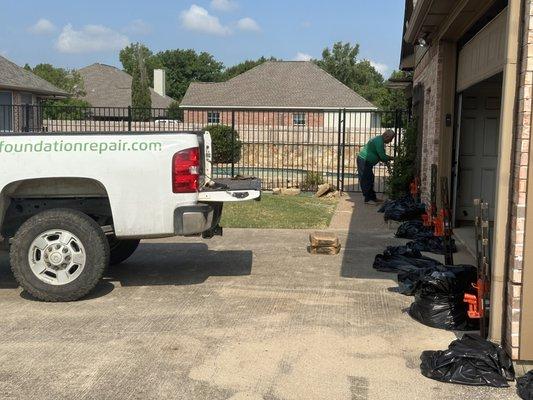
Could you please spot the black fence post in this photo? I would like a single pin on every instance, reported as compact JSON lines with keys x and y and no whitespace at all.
{"x":232,"y":143}
{"x":343,"y":148}
{"x":26,"y":120}
{"x":129,"y":118}
{"x":339,"y":150}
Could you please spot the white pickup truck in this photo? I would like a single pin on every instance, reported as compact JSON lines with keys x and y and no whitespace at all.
{"x":71,"y":204}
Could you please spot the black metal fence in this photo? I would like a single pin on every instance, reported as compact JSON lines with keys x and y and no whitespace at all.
{"x":283,"y":147}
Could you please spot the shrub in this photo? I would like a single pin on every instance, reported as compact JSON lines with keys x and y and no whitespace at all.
{"x":311,"y":181}
{"x":404,"y":169}
{"x":174,"y":111}
{"x":226,"y":143}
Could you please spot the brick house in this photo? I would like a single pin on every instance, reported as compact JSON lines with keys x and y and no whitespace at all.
{"x":472,"y":64}
{"x":19,"y":91}
{"x":277,"y":93}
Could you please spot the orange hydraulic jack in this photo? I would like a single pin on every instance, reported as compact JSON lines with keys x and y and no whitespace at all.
{"x":476,"y":308}
{"x":438,"y":223}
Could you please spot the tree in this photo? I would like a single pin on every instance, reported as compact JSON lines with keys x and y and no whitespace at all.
{"x":186,"y":66}
{"x":71,"y":82}
{"x":342,"y":62}
{"x":129,"y":57}
{"x":141,"y":100}
{"x":68,"y":80}
{"x":244,"y":66}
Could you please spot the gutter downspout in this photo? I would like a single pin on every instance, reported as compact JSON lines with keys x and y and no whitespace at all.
{"x":505,"y":168}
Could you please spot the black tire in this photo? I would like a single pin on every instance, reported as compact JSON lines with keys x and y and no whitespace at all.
{"x":121,"y":249}
{"x":89,"y":233}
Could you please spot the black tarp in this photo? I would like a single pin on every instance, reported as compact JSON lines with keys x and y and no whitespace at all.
{"x":402,"y":209}
{"x":524,"y":386}
{"x":439,"y":298}
{"x":431,"y":244}
{"x":470,"y":360}
{"x":414,"y":229}
{"x":398,"y":258}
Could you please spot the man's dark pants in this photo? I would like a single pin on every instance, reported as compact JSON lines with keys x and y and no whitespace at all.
{"x":366,"y":179}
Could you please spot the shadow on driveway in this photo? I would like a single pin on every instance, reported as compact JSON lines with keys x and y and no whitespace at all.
{"x":159,"y":264}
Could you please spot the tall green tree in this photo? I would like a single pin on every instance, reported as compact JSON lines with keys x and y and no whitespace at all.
{"x":141,"y":100}
{"x":185,"y":66}
{"x":244,"y":66}
{"x":129,"y":57}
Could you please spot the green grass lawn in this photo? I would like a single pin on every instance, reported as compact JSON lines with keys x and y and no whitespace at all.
{"x":275,"y":211}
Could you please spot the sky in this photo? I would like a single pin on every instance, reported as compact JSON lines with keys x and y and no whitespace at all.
{"x":76,"y":33}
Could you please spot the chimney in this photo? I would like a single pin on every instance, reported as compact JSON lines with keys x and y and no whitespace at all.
{"x":160,"y":82}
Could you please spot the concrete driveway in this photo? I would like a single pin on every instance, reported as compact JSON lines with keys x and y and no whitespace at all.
{"x":247,"y":316}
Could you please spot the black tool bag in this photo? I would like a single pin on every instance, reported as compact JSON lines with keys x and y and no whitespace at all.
{"x":470,"y":360}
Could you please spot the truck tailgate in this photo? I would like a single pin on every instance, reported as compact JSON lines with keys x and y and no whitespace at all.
{"x":231,"y":189}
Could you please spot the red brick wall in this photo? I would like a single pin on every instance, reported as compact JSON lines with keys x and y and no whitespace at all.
{"x":260,"y":118}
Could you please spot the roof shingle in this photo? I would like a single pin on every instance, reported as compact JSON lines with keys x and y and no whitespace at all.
{"x":108,"y":86}
{"x":17,"y":78}
{"x":277,"y":84}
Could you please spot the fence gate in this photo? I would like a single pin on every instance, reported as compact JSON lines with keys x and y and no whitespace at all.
{"x":298,"y":147}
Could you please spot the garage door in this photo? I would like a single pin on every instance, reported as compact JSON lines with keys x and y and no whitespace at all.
{"x":484,"y":55}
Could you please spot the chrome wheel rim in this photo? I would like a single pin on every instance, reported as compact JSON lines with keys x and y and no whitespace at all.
{"x":57,"y":257}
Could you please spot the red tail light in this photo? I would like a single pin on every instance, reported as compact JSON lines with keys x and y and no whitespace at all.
{"x":186,"y":171}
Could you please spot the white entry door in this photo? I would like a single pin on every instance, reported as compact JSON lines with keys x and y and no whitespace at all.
{"x":478,"y":149}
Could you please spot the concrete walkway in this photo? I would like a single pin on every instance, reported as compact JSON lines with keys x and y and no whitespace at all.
{"x":250,"y":315}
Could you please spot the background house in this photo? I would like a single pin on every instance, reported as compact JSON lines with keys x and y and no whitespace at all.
{"x":291,"y":93}
{"x":110,"y":87}
{"x":471,"y":96}
{"x":18,"y":88}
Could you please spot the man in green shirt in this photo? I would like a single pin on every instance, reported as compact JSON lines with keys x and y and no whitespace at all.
{"x":372,"y":153}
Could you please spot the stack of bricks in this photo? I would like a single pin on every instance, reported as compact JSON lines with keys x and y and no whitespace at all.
{"x":324,"y":243}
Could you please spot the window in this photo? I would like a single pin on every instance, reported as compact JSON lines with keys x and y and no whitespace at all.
{"x":298,"y":119}
{"x":213,"y":117}
{"x":6,"y":112}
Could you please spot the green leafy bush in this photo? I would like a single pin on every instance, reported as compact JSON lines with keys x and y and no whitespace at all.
{"x":226,"y":143}
{"x":404,"y":169}
{"x":311,"y":181}
{"x":174,"y":111}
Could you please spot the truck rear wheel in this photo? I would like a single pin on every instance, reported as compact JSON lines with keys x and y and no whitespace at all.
{"x":59,"y":255}
{"x":121,"y":249}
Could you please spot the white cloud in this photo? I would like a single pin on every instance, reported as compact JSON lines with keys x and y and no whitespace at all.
{"x":223,"y":5}
{"x":42,"y":27}
{"x":381,"y":68}
{"x":3,"y":53}
{"x":303,"y":57}
{"x":89,"y":39}
{"x":198,"y":19}
{"x":306,"y":24}
{"x":248,"y":24}
{"x":138,"y":27}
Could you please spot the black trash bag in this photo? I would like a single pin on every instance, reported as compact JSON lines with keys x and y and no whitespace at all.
{"x":414,"y":229}
{"x":439,"y":298}
{"x":524,"y":386}
{"x":470,"y":360}
{"x":394,"y":258}
{"x":409,"y":279}
{"x":431,"y":244}
{"x":402,"y":209}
